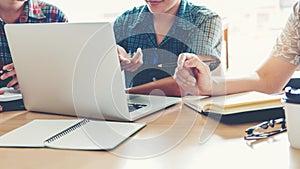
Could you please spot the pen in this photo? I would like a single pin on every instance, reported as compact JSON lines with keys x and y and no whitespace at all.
{"x":175,"y":63}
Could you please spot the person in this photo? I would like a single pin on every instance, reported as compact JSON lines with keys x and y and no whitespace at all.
{"x":269,"y":78}
{"x":21,"y":11}
{"x":152,"y":36}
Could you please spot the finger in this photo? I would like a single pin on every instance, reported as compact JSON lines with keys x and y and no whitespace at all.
{"x":138,"y":56}
{"x":8,"y":74}
{"x":187,"y":78}
{"x":139,"y":51}
{"x":121,"y":50}
{"x":122,"y":54}
{"x":186,"y":88}
{"x":124,"y":60}
{"x":131,"y":67}
{"x":127,"y":66}
{"x":135,"y":65}
{"x":12,"y":82}
{"x":188,"y":75}
{"x":16,"y":87}
{"x":194,"y":91}
{"x":138,"y":62}
{"x":195,"y":62}
{"x":2,"y":91}
{"x":180,"y":61}
{"x":8,"y":66}
{"x":181,"y":77}
{"x":183,"y":57}
{"x":179,"y":80}
{"x":1,"y":108}
{"x":190,"y":79}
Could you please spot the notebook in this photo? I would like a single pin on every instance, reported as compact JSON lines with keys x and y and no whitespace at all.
{"x":79,"y":134}
{"x":73,"y":69}
{"x":238,"y":108}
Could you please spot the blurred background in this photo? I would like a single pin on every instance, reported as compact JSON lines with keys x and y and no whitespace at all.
{"x":253,"y":25}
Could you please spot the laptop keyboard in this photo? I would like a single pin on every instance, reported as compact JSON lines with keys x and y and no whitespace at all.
{"x":135,"y":106}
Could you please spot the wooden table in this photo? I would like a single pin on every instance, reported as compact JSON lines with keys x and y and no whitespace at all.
{"x":174,"y":138}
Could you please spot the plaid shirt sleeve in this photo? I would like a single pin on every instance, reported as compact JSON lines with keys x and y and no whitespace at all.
{"x":207,"y":38}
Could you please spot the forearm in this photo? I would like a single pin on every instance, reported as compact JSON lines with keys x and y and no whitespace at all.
{"x":242,"y":84}
{"x":166,"y":86}
{"x":253,"y":82}
{"x":230,"y":85}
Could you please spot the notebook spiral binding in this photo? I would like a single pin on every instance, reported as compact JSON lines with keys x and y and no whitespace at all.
{"x":68,"y":130}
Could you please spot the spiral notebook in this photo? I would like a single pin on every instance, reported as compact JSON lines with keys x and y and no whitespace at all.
{"x":76,"y":134}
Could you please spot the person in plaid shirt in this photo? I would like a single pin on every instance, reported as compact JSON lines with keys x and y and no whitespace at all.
{"x":21,"y":11}
{"x":152,"y":36}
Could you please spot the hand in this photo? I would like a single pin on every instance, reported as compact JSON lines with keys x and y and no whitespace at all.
{"x":127,"y":62}
{"x":10,"y":73}
{"x":193,"y":75}
{"x":1,"y":92}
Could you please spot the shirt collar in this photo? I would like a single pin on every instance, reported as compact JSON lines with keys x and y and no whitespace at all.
{"x":182,"y":17}
{"x":142,"y":17}
{"x":31,"y":10}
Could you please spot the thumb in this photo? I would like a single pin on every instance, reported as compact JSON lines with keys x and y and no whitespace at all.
{"x":195,"y":62}
{"x":123,"y":59}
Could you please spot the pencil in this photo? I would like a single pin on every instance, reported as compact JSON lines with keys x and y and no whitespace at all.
{"x":175,"y":63}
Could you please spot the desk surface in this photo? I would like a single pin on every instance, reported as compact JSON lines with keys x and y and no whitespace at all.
{"x":174,"y":138}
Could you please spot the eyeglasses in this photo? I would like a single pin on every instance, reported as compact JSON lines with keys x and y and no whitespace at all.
{"x":251,"y":135}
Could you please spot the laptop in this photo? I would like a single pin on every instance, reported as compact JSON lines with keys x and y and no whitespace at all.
{"x":73,"y":69}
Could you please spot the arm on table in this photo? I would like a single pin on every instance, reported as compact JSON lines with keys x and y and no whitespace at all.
{"x":167,"y":85}
{"x":269,"y":78}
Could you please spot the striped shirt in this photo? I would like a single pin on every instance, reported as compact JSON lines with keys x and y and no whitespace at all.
{"x":34,"y":12}
{"x":196,"y":30}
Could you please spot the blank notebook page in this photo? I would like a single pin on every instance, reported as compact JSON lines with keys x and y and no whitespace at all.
{"x":96,"y":135}
{"x":34,"y":133}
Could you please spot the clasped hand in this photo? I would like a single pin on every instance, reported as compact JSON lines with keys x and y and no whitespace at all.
{"x":193,"y":75}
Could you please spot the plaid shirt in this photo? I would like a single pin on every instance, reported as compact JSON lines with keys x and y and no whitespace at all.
{"x":34,"y":12}
{"x":196,"y":30}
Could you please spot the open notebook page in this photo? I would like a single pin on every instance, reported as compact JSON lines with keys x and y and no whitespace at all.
{"x":96,"y":135}
{"x":34,"y":133}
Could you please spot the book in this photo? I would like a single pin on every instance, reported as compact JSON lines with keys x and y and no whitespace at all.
{"x":11,"y":99}
{"x":78,"y":134}
{"x":238,"y":108}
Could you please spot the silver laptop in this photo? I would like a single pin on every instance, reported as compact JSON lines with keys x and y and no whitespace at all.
{"x":73,"y":69}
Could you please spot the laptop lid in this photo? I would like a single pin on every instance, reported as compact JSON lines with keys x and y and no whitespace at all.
{"x":72,"y":69}
{"x":59,"y":64}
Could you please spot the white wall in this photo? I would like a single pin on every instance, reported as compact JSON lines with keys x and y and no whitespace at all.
{"x":253,"y":24}
{"x":93,"y":10}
